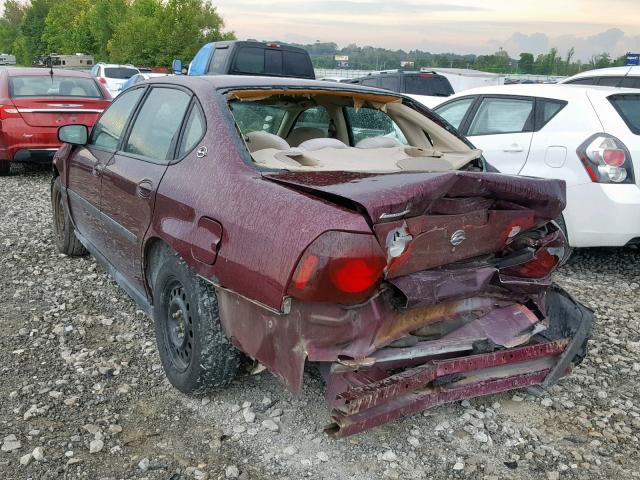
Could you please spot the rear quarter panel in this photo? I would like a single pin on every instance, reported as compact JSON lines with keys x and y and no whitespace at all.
{"x":265,"y":226}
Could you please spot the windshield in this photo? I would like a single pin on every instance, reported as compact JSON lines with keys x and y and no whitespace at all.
{"x":46,"y":86}
{"x":428,"y":84}
{"x":120,"y":73}
{"x":628,"y":106}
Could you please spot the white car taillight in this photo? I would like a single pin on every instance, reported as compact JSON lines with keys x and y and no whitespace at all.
{"x":606,"y":159}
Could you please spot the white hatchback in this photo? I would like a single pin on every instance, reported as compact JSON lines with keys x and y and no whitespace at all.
{"x":113,"y":76}
{"x":626,"y":77}
{"x":587,"y":136}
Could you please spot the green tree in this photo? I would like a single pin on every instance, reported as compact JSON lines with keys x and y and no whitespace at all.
{"x":30,"y":43}
{"x":67,"y":29}
{"x":10,"y":24}
{"x":525,"y":65}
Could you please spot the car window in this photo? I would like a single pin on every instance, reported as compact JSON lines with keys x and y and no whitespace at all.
{"x":107,"y":131}
{"x":630,"y":82}
{"x":219,"y":60}
{"x":427,"y":84}
{"x":455,"y":111}
{"x":585,"y":81}
{"x":249,"y":60}
{"x":193,"y":132}
{"x":370,"y":82}
{"x":44,"y":86}
{"x":315,"y":117}
{"x":253,"y":116}
{"x":370,"y":122}
{"x":546,"y":110}
{"x":155,"y":130}
{"x":390,"y":83}
{"x":609,"y":81}
{"x":628,"y":106}
{"x":120,"y":73}
{"x":502,"y":115}
{"x":297,"y":64}
{"x":273,"y":62}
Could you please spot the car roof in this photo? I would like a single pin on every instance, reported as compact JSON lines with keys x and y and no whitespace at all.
{"x":43,"y":71}
{"x":628,"y":70}
{"x":555,"y":91}
{"x":230,"y":82}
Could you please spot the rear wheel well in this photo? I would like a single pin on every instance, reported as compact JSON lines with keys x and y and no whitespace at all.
{"x":155,"y":251}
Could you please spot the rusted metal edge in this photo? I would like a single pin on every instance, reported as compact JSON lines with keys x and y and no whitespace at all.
{"x":368,"y":396}
{"x":345,"y":425}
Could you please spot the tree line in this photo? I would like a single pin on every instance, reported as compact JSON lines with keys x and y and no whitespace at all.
{"x":142,"y":32}
{"x":371,"y":58}
{"x":154,"y":32}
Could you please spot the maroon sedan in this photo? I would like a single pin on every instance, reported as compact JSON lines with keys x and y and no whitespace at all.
{"x":305,"y":222}
{"x":34,"y":103}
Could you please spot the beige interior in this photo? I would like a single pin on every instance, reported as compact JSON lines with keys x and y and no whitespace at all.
{"x":430,"y":147}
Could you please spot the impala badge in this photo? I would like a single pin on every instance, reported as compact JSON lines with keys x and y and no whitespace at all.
{"x":458,"y":237}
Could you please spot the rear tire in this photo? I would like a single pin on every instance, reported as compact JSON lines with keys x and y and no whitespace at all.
{"x":195,"y":352}
{"x":63,"y":230}
{"x":5,"y":168}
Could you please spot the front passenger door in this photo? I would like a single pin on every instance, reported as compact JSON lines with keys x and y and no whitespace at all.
{"x":87,"y":164}
{"x":503,"y":128}
{"x":132,"y":176}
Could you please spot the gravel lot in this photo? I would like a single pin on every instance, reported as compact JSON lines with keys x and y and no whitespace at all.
{"x":82,"y":393}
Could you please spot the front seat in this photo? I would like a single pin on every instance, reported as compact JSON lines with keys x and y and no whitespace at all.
{"x":302,"y":134}
{"x":260,"y":140}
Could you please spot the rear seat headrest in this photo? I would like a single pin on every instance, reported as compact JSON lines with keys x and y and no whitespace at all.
{"x":377,"y":142}
{"x":320,"y":143}
{"x":260,"y":140}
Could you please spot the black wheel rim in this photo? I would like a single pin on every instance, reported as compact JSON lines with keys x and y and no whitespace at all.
{"x":178,"y":327}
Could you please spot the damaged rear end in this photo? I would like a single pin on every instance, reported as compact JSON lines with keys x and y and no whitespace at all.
{"x":450,"y":297}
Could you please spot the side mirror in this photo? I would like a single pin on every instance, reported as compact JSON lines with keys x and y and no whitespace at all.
{"x":176,"y":65}
{"x":74,"y":134}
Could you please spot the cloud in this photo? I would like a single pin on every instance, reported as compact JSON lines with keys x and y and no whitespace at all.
{"x":613,"y":41}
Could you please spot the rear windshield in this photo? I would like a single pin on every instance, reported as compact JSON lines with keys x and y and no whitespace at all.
{"x":46,"y":86}
{"x":427,"y":84}
{"x":120,"y":73}
{"x":628,"y":106}
{"x":269,"y":61}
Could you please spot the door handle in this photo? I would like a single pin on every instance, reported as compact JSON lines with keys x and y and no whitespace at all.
{"x":144,"y":188}
{"x":98,"y":169}
{"x":515,"y":148}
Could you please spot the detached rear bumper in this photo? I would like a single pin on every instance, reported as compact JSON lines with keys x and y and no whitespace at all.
{"x":371,"y":396}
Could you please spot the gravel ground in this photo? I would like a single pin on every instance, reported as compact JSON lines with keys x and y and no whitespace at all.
{"x":82,"y":393}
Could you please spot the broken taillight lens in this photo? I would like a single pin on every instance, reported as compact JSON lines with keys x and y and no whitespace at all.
{"x":339,"y":267}
{"x":544,"y":262}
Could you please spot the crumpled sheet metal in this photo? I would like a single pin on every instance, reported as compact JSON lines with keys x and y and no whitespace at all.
{"x":431,"y":287}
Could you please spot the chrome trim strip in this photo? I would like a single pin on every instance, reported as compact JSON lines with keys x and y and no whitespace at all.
{"x":60,"y":110}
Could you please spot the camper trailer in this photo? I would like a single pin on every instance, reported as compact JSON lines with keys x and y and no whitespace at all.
{"x":79,"y":61}
{"x":7,"y":59}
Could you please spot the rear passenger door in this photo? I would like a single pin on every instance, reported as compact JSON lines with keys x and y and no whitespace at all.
{"x":131,"y":179}
{"x":502,"y":126}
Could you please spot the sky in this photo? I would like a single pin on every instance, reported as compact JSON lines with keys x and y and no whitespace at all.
{"x":461,"y":26}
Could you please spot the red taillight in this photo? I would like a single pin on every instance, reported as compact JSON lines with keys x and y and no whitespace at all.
{"x":606,"y":159}
{"x":614,"y":157}
{"x":339,"y":267}
{"x":9,"y":111}
{"x":102,"y":80}
{"x":541,"y":266}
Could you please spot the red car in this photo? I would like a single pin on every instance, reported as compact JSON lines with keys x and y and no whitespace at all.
{"x":34,"y":103}
{"x":305,"y":222}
